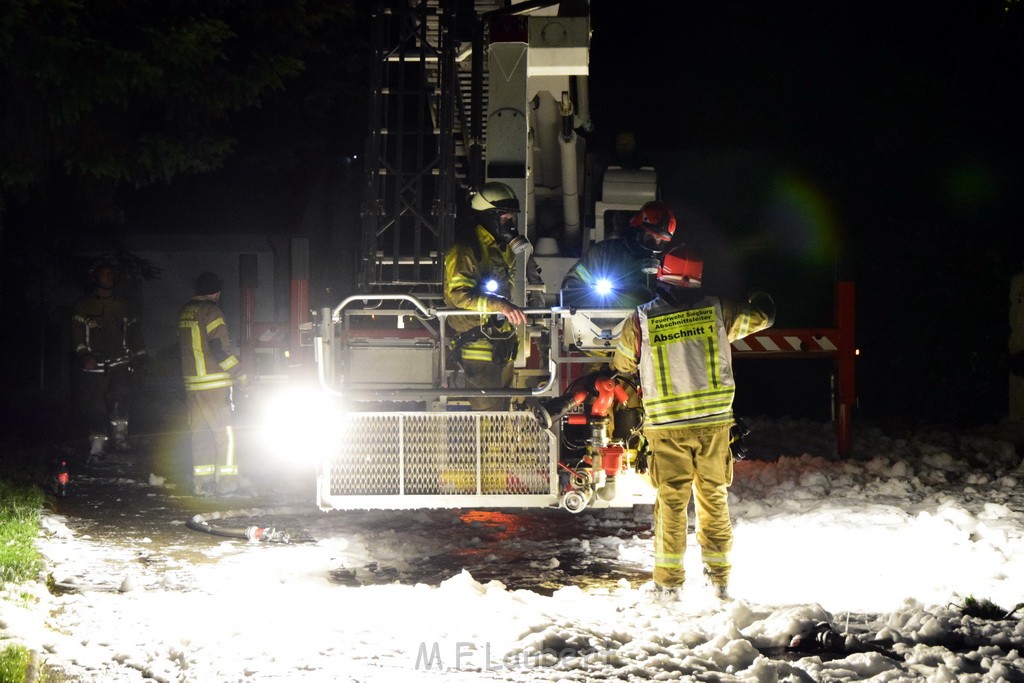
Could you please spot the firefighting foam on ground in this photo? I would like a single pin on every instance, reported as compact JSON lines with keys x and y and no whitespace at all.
{"x":861,"y":569}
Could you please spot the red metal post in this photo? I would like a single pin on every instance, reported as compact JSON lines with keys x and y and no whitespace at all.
{"x":247,"y":284}
{"x":299,"y":309}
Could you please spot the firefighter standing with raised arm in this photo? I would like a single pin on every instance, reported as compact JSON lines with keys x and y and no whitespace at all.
{"x":620,"y":272}
{"x":209,"y":370}
{"x":108,"y":340}
{"x":479,"y":271}
{"x":680,"y":344}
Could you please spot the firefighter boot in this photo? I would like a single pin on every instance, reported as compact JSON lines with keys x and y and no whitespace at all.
{"x":234,"y":486}
{"x":205,"y":486}
{"x":97,"y":446}
{"x":663,"y":595}
{"x":119,"y":428}
{"x":719,"y":583}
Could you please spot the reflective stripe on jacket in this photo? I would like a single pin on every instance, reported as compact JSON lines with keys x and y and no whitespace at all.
{"x":465,"y":278}
{"x":106,"y":328}
{"x":202,"y":330}
{"x":684,"y":357}
{"x":685,"y":363}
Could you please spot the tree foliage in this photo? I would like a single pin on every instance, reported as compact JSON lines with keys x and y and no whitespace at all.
{"x":140,"y":91}
{"x":99,"y":98}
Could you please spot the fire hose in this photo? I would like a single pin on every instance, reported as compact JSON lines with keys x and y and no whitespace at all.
{"x":209,"y":523}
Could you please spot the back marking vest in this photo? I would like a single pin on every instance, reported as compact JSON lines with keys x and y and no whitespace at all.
{"x":685,"y":364}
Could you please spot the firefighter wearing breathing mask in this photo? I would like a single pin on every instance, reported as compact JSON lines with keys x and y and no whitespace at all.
{"x":479,"y":271}
{"x":680,"y":344}
{"x":619,"y":272}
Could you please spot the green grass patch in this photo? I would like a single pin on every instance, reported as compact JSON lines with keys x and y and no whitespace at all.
{"x":19,"y":524}
{"x":14,"y":663}
{"x":21,"y":500}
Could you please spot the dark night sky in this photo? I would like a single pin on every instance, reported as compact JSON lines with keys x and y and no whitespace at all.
{"x":893,"y":129}
{"x":881,"y":103}
{"x":901,"y":119}
{"x":888,"y":131}
{"x":733,"y":74}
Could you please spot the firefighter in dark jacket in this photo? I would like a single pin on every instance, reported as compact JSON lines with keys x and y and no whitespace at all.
{"x":620,"y":272}
{"x":209,"y":370}
{"x":108,"y":341}
{"x":479,"y":271}
{"x":680,"y":344}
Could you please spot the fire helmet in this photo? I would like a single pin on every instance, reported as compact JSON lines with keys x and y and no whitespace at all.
{"x":656,"y":219}
{"x":682,"y":266}
{"x":98,"y":265}
{"x":207,"y":283}
{"x":495,"y":196}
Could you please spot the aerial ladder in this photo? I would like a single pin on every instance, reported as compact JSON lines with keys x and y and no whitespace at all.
{"x":464,"y":93}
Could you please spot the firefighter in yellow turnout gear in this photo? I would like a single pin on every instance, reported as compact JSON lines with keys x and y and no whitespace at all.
{"x":209,"y":371}
{"x":108,"y":342}
{"x":479,"y":271}
{"x":680,"y":344}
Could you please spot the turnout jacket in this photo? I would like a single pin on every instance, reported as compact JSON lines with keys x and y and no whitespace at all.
{"x":206,"y":362}
{"x":612,"y":260}
{"x":466,"y":275}
{"x":107,"y":329}
{"x":681,"y":347}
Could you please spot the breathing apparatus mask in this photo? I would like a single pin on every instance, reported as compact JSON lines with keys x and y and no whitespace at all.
{"x":649,"y":266}
{"x":497,"y":205}
{"x":502,"y":226}
{"x":645,"y":252}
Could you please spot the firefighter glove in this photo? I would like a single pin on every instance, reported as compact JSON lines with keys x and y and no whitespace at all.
{"x":641,"y":462}
{"x":764,"y":302}
{"x":737,"y":434}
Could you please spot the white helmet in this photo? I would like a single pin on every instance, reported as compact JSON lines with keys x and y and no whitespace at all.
{"x":495,"y":196}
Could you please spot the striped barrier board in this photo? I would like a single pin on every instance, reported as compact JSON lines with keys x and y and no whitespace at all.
{"x":804,"y":341}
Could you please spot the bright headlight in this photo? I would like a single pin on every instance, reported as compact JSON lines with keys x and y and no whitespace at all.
{"x":603,"y":286}
{"x":300,"y":425}
{"x":491,"y":286}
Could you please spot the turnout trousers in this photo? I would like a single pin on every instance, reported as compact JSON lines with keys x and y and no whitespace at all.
{"x":104,"y":397}
{"x":486,"y":374}
{"x":694,"y":459}
{"x":213,"y":440}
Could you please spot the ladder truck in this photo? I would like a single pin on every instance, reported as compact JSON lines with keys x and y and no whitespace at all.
{"x":466,"y":92}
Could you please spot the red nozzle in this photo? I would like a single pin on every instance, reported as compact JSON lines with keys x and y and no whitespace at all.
{"x":608,"y":391}
{"x":611,"y":460}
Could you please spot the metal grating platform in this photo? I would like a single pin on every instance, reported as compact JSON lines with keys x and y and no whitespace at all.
{"x":444,"y":459}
